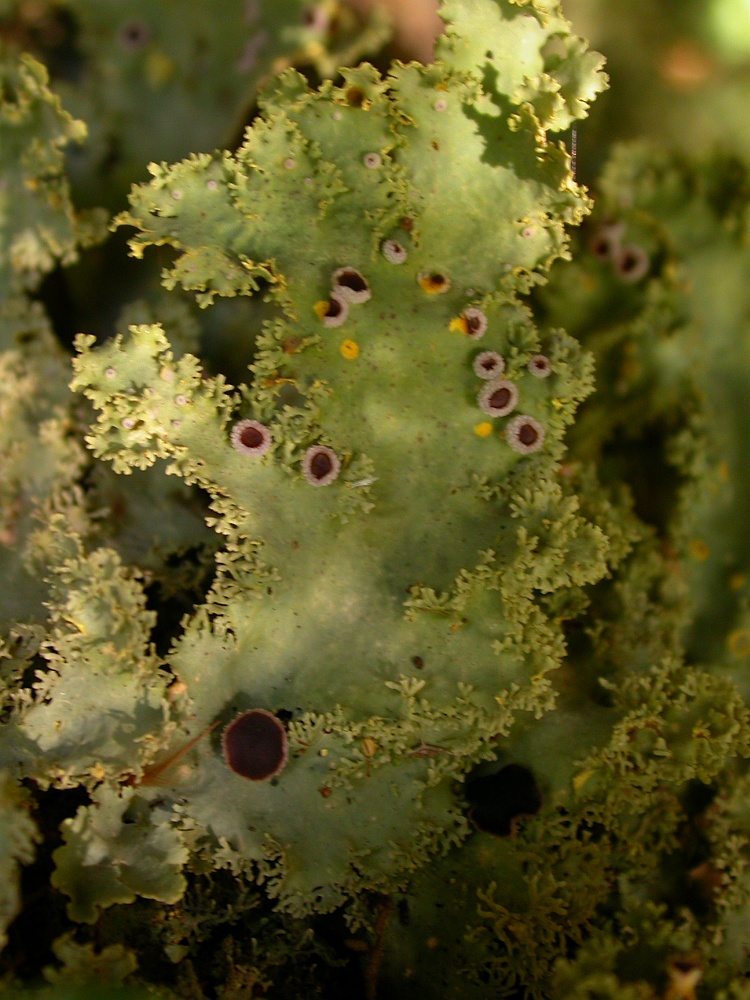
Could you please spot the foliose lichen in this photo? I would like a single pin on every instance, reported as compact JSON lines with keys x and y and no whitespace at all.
{"x":378,"y":585}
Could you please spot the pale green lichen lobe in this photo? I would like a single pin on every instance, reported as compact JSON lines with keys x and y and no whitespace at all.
{"x":435,"y":195}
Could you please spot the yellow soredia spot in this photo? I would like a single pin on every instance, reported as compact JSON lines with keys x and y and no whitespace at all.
{"x":580,"y":780}
{"x":737,"y":581}
{"x":350,"y":349}
{"x":484,"y":429}
{"x":459,"y":325}
{"x":723,"y":469}
{"x":159,"y":68}
{"x":739,"y":642}
{"x":314,"y":50}
{"x":434,"y":283}
{"x":557,"y":403}
{"x":699,"y":550}
{"x":321,"y":308}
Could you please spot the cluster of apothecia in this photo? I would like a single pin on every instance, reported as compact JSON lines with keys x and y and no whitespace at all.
{"x":629,"y":261}
{"x":499,"y":396}
{"x":320,"y":464}
{"x":348,"y":287}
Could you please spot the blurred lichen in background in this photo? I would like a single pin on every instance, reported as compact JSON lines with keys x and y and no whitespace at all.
{"x":375,"y":595}
{"x":679,"y":74}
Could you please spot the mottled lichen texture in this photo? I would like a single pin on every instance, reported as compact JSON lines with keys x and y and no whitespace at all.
{"x":352,"y":639}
